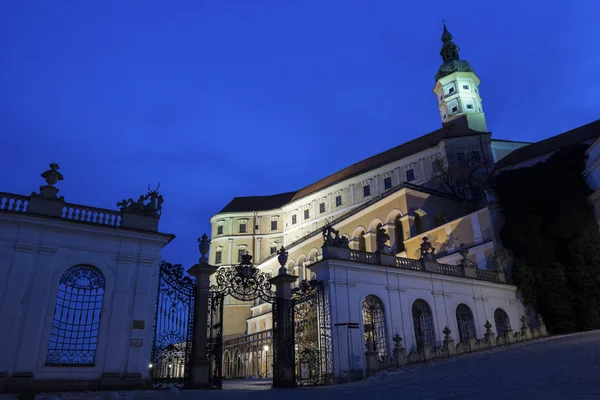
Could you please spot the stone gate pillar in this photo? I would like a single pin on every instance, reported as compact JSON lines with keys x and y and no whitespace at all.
{"x":284,"y":358}
{"x":200,"y":368}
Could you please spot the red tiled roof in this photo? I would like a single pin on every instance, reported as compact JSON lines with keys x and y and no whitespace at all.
{"x":577,"y":135}
{"x":261,"y":203}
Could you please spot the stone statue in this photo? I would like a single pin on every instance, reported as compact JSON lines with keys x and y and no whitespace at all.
{"x":427,"y":250}
{"x":149,"y":204}
{"x":382,"y":238}
{"x":464,"y":252}
{"x":331,"y":237}
{"x":440,"y":219}
{"x":52,"y":175}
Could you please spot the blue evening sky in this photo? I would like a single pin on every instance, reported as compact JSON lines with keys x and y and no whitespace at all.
{"x":224,"y":98}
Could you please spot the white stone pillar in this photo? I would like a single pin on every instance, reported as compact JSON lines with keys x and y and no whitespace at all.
{"x":144,"y":301}
{"x":31,"y":339}
{"x":118,"y":333}
{"x":408,"y":328}
{"x":19,"y":280}
{"x":230,"y":252}
{"x":259,"y":245}
{"x":352,"y":194}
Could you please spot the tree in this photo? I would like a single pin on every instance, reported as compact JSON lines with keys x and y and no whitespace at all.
{"x":466,"y":178}
{"x":551,"y":230}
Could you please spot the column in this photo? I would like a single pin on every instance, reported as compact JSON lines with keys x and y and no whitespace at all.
{"x":257,"y":250}
{"x":200,"y":368}
{"x":284,"y":368}
{"x":477,"y":235}
{"x":390,"y":228}
{"x":230,"y":251}
{"x":371,"y":241}
{"x":352,"y":194}
{"x":11,"y":312}
{"x":118,"y":334}
{"x":376,"y":179}
{"x":37,"y":312}
{"x":144,"y":300}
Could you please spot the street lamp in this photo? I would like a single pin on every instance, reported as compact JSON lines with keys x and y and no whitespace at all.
{"x":266,"y":349}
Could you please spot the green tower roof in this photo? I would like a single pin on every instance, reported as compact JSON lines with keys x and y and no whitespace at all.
{"x":452,"y":62}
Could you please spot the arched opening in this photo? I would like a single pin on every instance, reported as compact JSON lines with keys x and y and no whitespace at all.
{"x":502,"y":322}
{"x":226,"y":365}
{"x":419,"y":224}
{"x":362,"y":242}
{"x":399,"y":235}
{"x":465,"y":322}
{"x":74,"y":334}
{"x":423,"y":321}
{"x":374,"y":324}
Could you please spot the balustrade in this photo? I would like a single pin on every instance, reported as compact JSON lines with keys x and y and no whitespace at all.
{"x":13,"y":202}
{"x":91,"y":215}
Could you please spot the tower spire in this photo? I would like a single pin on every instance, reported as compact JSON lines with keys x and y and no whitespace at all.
{"x":449,"y":50}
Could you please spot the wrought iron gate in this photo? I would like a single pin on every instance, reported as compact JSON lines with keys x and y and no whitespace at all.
{"x":173,"y":327}
{"x":243,"y":282}
{"x":312,"y":334}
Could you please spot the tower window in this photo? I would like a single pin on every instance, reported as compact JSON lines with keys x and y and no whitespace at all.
{"x":273,"y":249}
{"x":387,"y":182}
{"x":475,"y":156}
{"x":322,"y":208}
{"x":466,"y":87}
{"x":220,"y":230}
{"x":306,"y":214}
{"x":470,"y":106}
{"x":218,"y":256}
{"x":242,"y":228}
{"x":410,"y":175}
{"x":241,"y":253}
{"x":454,"y":109}
{"x":460,"y":158}
{"x":338,"y":201}
{"x":366,"y":190}
{"x":451,"y":90}
{"x":294,"y":219}
{"x":445,"y":116}
{"x":273,"y":225}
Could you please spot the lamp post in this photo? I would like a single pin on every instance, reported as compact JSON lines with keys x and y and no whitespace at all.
{"x":266,"y":350}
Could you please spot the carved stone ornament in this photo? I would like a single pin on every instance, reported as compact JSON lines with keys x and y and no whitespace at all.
{"x":149,"y":204}
{"x":427,"y":250}
{"x":464,"y":252}
{"x":52,"y":175}
{"x":397,"y":342}
{"x":331,"y":237}
{"x":204,"y":247}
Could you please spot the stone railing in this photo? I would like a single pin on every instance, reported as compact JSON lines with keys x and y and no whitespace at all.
{"x":13,"y":202}
{"x":58,"y":208}
{"x":91,"y":215}
{"x":411,"y":264}
{"x":427,"y":352}
{"x":455,"y":270}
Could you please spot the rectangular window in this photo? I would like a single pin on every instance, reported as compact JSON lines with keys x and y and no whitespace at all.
{"x":241,"y":253}
{"x":436,"y":165}
{"x":273,"y":249}
{"x":454,"y":109}
{"x":387,"y":182}
{"x":466,"y":87}
{"x":322,"y":208}
{"x":338,"y":201}
{"x":273,"y":225}
{"x":294,"y":219}
{"x":460,"y":158}
{"x":218,"y":255}
{"x":475,"y":156}
{"x":470,"y":106}
{"x":410,"y":175}
{"x":256,"y":227}
{"x":450,"y":90}
{"x":306,"y":214}
{"x":366,"y":190}
{"x":242,"y":228}
{"x":220,"y":230}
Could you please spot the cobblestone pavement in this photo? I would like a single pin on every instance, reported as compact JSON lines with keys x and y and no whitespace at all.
{"x":561,"y":368}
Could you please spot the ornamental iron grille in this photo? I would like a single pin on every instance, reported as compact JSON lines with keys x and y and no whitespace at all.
{"x":502,"y":322}
{"x":243,"y":282}
{"x":423,"y":321}
{"x":74,"y":334}
{"x":374,"y":325}
{"x":173,"y":327}
{"x":312,"y":334}
{"x":465,"y":322}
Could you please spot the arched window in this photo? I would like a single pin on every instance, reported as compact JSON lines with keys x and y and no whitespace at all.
{"x":74,"y":334}
{"x":374,"y":324}
{"x":502,"y":322}
{"x":362,"y":242}
{"x":465,"y":322}
{"x":399,"y":235}
{"x":423,"y":320}
{"x":419,"y":224}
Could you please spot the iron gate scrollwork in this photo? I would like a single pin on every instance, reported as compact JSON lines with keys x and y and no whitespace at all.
{"x":173,"y":327}
{"x":243,"y":282}
{"x":312,"y":333}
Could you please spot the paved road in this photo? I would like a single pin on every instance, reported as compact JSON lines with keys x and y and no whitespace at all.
{"x":559,"y":368}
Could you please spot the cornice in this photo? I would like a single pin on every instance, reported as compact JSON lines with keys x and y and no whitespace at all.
{"x":47,"y":251}
{"x":21,"y":247}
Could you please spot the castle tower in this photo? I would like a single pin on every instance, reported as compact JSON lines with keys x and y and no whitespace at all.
{"x":457,"y":88}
